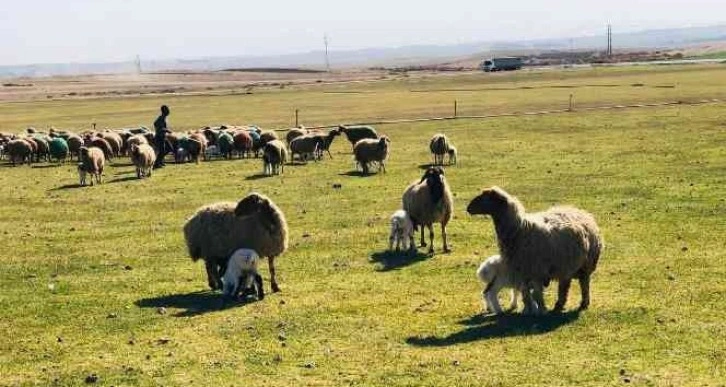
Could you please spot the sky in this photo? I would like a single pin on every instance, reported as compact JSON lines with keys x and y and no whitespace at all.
{"x":52,"y":31}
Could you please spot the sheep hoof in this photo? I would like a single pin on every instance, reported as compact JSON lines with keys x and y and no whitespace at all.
{"x":447,"y":250}
{"x":275,"y":288}
{"x":584,"y":306}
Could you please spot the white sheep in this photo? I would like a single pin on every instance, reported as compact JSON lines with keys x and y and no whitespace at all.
{"x":401,"y":231}
{"x":496,"y":275}
{"x":242,"y":270}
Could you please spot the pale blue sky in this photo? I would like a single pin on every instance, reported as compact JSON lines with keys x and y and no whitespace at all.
{"x":40,"y":31}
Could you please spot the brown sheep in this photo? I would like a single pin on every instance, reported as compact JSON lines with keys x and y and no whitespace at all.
{"x":19,"y":151}
{"x":561,"y":243}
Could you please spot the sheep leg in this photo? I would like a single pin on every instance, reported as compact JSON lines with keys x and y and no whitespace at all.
{"x":562,"y":290}
{"x":443,"y":233}
{"x":273,"y":280}
{"x":431,"y":238}
{"x":529,"y":305}
{"x":585,"y":288}
{"x":212,"y":275}
{"x":423,"y":240}
{"x":260,"y":289}
{"x":493,"y":301}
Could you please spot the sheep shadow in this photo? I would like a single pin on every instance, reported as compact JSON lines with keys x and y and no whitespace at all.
{"x":259,"y":176}
{"x":122,"y":179}
{"x":429,"y":165}
{"x":392,"y":260}
{"x":357,"y":174}
{"x":67,"y":186}
{"x":44,"y":166}
{"x":193,"y":304}
{"x":484,"y":327}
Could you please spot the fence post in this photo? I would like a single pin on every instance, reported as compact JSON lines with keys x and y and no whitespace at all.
{"x":572,"y":102}
{"x":297,"y":116}
{"x":456,"y":103}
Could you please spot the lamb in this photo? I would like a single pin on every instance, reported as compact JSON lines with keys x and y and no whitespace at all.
{"x":561,"y":243}
{"x":452,"y":154}
{"x":305,"y":146}
{"x":439,"y":147}
{"x":430,"y":201}
{"x":92,"y":162}
{"x":143,"y":158}
{"x":496,"y":275}
{"x":19,"y":151}
{"x":274,"y":156}
{"x":242,"y":270}
{"x":357,"y":133}
{"x":216,"y":230}
{"x":367,"y":151}
{"x":401,"y":231}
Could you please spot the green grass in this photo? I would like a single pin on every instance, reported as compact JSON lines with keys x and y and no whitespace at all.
{"x":348,"y":314}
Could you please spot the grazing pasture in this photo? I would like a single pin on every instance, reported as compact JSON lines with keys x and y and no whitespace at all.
{"x":97,"y":280}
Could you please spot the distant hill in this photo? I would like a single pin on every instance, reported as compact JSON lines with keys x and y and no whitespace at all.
{"x":407,"y":55}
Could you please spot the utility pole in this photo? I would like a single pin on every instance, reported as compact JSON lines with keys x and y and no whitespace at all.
{"x":610,"y":41}
{"x":327,"y":59}
{"x":138,"y":64}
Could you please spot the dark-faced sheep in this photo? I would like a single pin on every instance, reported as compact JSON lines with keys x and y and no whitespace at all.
{"x":143,"y":158}
{"x":215,"y":231}
{"x":430,"y":201}
{"x":369,"y":151}
{"x":327,"y":141}
{"x":439,"y":146}
{"x":274,"y":156}
{"x":357,"y":133}
{"x":92,"y":162}
{"x":561,"y":243}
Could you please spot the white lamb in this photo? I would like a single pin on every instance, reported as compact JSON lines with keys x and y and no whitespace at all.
{"x":401,"y":231}
{"x":241,"y":275}
{"x":495,"y":275}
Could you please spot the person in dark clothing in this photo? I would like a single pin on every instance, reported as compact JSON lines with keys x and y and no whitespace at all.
{"x":160,"y":136}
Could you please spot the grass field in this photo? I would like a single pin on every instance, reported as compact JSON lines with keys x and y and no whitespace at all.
{"x":86,"y":271}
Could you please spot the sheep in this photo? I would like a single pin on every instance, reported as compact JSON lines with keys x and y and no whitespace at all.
{"x":114,"y":141}
{"x":267,"y":136}
{"x":242,"y":270}
{"x":33,"y":147}
{"x":496,"y":275}
{"x":75,"y":143}
{"x":256,"y":142}
{"x":216,"y":230}
{"x":197,"y":147}
{"x":561,"y":243}
{"x":357,"y":133}
{"x":367,"y":151}
{"x":305,"y":146}
{"x":103,"y":145}
{"x":401,"y":231}
{"x":92,"y":162}
{"x":327,"y":141}
{"x":295,"y":133}
{"x":439,"y":147}
{"x":274,"y":156}
{"x":19,"y":151}
{"x":143,"y":158}
{"x":58,"y":148}
{"x":225,"y":142}
{"x":242,"y":142}
{"x":430,"y":201}
{"x":452,"y":154}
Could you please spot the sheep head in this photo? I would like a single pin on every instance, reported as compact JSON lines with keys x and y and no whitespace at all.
{"x":384,"y":141}
{"x":492,"y":201}
{"x":257,"y":204}
{"x":434,"y":177}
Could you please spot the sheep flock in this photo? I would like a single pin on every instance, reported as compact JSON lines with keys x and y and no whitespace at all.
{"x":561,"y":243}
